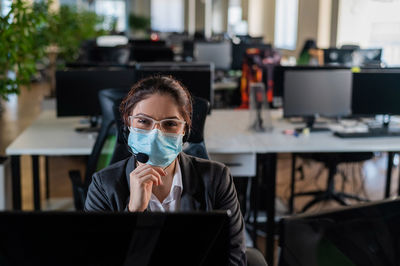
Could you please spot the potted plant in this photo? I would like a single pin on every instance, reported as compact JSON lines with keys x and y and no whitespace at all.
{"x":30,"y":32}
{"x":139,"y":24}
{"x":20,"y":46}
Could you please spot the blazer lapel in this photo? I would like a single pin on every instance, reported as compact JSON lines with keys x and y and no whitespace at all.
{"x":130,"y":166}
{"x":193,"y":194}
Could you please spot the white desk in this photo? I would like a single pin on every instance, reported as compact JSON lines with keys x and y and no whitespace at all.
{"x":226,"y":132}
{"x":48,"y":136}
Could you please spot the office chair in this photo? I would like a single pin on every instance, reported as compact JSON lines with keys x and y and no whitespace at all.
{"x":331,"y":162}
{"x":195,"y":145}
{"x":108,"y":99}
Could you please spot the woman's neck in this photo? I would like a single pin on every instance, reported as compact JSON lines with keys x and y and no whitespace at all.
{"x":162,"y":191}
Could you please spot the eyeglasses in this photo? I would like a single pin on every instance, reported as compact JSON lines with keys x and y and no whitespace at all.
{"x":166,"y":125}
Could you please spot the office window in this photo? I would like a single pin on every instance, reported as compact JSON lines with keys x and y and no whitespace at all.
{"x":112,"y":9}
{"x":236,"y":25}
{"x":286,"y":13}
{"x":5,"y":6}
{"x":371,"y":24}
{"x":167,"y":15}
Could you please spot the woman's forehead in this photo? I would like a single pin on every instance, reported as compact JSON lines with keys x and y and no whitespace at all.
{"x":157,"y":106}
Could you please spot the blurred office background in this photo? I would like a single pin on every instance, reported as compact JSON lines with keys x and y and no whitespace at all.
{"x":227,"y":43}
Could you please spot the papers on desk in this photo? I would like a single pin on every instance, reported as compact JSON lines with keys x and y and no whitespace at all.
{"x":349,"y":127}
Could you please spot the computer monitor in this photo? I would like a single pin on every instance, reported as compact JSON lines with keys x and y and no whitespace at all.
{"x":338,"y":57}
{"x":143,"y":50}
{"x":197,"y":77}
{"x":239,"y":50}
{"x":279,"y":73}
{"x":365,"y":235}
{"x":77,"y":89}
{"x":219,"y":53}
{"x":75,"y":238}
{"x":151,"y":54}
{"x":376,"y":92}
{"x":367,"y":57}
{"x":317,"y":92}
{"x":147,"y":42}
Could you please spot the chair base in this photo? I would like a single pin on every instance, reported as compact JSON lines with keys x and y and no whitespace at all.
{"x":327,"y":195}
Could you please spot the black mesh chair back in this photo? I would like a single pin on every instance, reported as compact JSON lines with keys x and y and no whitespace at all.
{"x":195,"y":143}
{"x":108,"y":98}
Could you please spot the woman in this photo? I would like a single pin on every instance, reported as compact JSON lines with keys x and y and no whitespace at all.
{"x":157,"y":111}
{"x":310,"y":54}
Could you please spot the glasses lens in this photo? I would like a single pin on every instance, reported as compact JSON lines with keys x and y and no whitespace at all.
{"x":142,"y":123}
{"x":172,"y":126}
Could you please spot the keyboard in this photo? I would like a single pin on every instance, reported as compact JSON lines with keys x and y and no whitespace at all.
{"x":369,"y":134}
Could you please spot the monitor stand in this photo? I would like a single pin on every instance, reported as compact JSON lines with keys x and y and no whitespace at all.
{"x":310,"y":121}
{"x":93,"y":127}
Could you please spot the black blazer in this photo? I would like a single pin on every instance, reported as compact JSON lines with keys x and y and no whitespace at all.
{"x":207,"y":186}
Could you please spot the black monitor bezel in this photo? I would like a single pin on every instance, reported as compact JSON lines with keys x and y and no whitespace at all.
{"x":365,"y":71}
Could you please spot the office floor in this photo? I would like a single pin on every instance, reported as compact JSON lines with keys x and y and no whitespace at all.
{"x":20,"y":111}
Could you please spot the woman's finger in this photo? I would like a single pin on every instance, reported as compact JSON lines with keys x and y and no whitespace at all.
{"x":149,"y":178}
{"x":148,"y":171}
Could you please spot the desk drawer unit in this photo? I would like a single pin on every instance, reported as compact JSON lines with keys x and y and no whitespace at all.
{"x":241,"y":164}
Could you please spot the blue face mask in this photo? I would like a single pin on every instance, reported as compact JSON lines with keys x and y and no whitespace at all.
{"x":162,"y":148}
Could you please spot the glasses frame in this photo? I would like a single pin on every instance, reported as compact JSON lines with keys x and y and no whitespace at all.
{"x":155,"y":122}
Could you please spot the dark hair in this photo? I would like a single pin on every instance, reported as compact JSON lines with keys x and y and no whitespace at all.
{"x":164,"y":85}
{"x":308,"y":44}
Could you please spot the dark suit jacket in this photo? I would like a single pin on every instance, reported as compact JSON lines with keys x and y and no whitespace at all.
{"x":207,"y":186}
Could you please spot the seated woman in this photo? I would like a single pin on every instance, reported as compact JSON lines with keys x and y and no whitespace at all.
{"x":157,"y":111}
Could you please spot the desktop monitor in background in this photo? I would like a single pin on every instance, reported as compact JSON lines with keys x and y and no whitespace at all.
{"x":376,"y":92}
{"x":77,"y":89}
{"x":197,"y":77}
{"x":365,"y":235}
{"x":150,"y":51}
{"x":219,"y":53}
{"x":367,"y":57}
{"x":239,"y":50}
{"x":317,"y":92}
{"x":147,"y":43}
{"x":338,"y":57}
{"x":74,"y":238}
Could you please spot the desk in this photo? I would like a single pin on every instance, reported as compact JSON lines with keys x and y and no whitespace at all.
{"x":48,"y":136}
{"x":227,"y":132}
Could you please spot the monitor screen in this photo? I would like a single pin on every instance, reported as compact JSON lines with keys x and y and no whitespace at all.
{"x":197,"y":77}
{"x":342,"y":57}
{"x":317,"y":92}
{"x":75,"y":238}
{"x":367,"y":57}
{"x":365,"y":235}
{"x":77,"y":89}
{"x":219,"y":53}
{"x":376,"y":92}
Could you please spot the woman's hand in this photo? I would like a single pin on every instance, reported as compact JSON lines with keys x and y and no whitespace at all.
{"x":142,"y":180}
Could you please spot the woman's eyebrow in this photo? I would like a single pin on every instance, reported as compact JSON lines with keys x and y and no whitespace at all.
{"x":170,"y":117}
{"x":141,"y":114}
